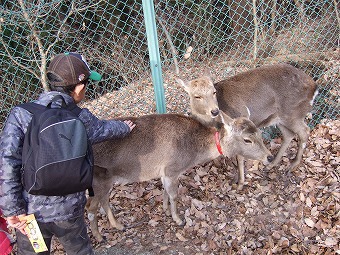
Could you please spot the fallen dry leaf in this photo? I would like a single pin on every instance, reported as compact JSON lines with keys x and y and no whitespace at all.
{"x":276,"y":212}
{"x":309,"y":222}
{"x":181,"y":237}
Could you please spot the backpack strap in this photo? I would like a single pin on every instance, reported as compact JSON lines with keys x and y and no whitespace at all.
{"x":56,"y":98}
{"x":74,"y":108}
{"x":71,"y":106}
{"x":34,"y":107}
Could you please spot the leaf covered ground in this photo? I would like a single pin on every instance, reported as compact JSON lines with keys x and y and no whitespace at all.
{"x":275,"y":213}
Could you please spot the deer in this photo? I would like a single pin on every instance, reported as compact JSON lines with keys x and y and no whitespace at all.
{"x":277,"y":94}
{"x":165,"y":146}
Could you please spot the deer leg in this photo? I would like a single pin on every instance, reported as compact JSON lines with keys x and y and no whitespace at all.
{"x":166,"y":208}
{"x":256,"y":164}
{"x":171,"y":187}
{"x":240,"y":166}
{"x":287,"y":137}
{"x":102,"y":184}
{"x":104,"y":201}
{"x":92,"y":207}
{"x":303,"y":133}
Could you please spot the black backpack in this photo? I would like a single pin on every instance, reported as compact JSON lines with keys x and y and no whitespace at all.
{"x":57,"y":156}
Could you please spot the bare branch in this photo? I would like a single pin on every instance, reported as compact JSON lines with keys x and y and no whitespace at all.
{"x":336,"y":12}
{"x":57,"y":38}
{"x":4,"y":44}
{"x":273,"y":16}
{"x":172,"y":47}
{"x":256,"y":29}
{"x":40,"y":46}
{"x":87,"y":7}
{"x":47,"y":12}
{"x":73,"y":10}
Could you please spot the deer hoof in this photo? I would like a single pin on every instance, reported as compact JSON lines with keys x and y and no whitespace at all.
{"x":180,"y":222}
{"x":294,"y":166}
{"x":104,"y":240}
{"x":119,"y":226}
{"x":240,"y":187}
{"x":101,"y":239}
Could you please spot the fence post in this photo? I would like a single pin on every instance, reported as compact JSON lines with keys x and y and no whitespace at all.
{"x":155,"y":61}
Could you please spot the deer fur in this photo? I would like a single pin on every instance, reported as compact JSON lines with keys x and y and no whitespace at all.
{"x":165,"y":146}
{"x":279,"y":94}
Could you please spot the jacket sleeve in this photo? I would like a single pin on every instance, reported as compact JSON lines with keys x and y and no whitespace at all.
{"x":11,"y":142}
{"x":101,"y":130}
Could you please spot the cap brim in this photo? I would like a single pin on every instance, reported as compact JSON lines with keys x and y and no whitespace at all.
{"x":95,"y":76}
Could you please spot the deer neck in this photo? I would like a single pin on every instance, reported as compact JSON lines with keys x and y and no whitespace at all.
{"x":206,"y":120}
{"x":217,"y":142}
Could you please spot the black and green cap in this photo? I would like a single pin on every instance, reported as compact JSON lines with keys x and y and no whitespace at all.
{"x":68,"y":69}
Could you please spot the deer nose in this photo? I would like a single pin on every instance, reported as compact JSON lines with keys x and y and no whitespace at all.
{"x":215,"y":112}
{"x":270,"y":158}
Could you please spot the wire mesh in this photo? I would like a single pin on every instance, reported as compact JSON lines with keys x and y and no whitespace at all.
{"x":226,"y":37}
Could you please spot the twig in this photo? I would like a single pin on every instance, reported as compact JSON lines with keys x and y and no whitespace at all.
{"x":255,"y":31}
{"x":4,"y":44}
{"x":6,"y":47}
{"x":172,"y":47}
{"x":273,"y":16}
{"x":336,"y":12}
{"x":87,"y":7}
{"x":40,"y":46}
{"x":60,"y":28}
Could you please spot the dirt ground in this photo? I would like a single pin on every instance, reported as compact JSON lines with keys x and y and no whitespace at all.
{"x":276,"y":213}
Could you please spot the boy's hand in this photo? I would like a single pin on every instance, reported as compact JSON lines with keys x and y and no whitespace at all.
{"x":130,"y":124}
{"x":13,"y":221}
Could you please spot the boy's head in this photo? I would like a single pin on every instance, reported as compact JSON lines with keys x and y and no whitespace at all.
{"x":67,"y":70}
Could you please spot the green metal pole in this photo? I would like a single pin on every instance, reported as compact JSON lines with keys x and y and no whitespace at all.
{"x":155,"y":61}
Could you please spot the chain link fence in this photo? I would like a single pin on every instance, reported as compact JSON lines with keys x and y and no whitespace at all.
{"x":222,"y":37}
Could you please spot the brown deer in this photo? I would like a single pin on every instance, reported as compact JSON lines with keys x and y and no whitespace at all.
{"x":165,"y":146}
{"x":279,"y":94}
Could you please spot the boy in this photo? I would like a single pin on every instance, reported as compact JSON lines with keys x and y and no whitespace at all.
{"x":59,"y":216}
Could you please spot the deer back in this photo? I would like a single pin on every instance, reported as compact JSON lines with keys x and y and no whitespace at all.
{"x":158,"y":142}
{"x":272,"y":93}
{"x":169,"y":144}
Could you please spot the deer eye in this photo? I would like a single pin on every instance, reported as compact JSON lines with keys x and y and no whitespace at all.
{"x":198,"y":97}
{"x":214,"y":93}
{"x":248,"y":141}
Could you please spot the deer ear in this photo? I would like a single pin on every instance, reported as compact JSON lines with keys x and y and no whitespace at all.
{"x":183,"y":84}
{"x":207,"y":73}
{"x":225,"y":119}
{"x":245,"y":112}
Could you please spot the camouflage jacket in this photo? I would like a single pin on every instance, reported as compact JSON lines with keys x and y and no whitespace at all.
{"x":14,"y":200}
